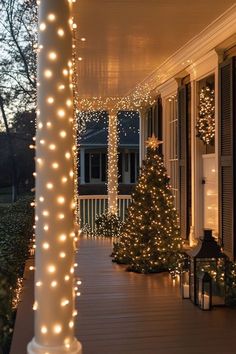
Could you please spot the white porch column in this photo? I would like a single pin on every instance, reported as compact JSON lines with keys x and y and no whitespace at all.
{"x":112,"y":185}
{"x":54,"y":294}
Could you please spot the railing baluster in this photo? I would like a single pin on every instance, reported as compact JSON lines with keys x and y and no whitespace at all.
{"x":91,"y":206}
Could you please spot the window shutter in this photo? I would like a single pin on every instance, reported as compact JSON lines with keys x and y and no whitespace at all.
{"x":104,"y":167}
{"x":86,"y":168}
{"x":157,"y":120}
{"x":149,"y":123}
{"x":182,"y":159}
{"x":227,"y":156}
{"x":132,"y":167}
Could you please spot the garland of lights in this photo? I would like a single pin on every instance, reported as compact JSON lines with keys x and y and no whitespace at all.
{"x":206,"y":121}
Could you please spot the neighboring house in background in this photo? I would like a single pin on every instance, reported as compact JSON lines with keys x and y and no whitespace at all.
{"x":93,"y":156}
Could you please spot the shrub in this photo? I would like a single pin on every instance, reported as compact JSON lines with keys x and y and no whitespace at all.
{"x":108,"y":225}
{"x":15,"y":233}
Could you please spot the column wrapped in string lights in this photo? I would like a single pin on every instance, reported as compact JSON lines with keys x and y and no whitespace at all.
{"x":54,"y":283}
{"x":112,"y":186}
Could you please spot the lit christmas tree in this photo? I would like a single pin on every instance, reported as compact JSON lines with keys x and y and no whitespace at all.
{"x":150,"y":238}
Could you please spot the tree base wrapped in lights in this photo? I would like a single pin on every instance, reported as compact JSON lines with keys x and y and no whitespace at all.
{"x":150,"y":238}
{"x":108,"y":225}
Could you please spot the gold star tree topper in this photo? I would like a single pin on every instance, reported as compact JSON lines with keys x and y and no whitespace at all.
{"x":153,"y":143}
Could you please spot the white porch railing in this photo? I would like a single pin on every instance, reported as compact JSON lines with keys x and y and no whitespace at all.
{"x":91,"y":206}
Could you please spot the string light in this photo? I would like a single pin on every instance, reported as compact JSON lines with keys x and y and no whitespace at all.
{"x":150,"y":239}
{"x":54,"y":166}
{"x":206,"y":121}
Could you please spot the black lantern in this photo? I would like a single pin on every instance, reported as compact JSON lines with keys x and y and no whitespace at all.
{"x":205,"y":292}
{"x":207,"y":257}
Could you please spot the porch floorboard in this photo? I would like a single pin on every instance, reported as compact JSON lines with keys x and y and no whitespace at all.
{"x":126,"y":313}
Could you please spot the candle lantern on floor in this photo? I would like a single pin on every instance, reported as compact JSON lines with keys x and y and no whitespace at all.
{"x":207,"y":257}
{"x":205,"y":292}
{"x":185,"y":283}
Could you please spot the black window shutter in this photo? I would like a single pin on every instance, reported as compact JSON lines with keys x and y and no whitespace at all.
{"x":227,"y":156}
{"x":104,"y":167}
{"x":157,"y":121}
{"x":132,"y":167}
{"x":86,"y":168}
{"x":182,"y":159}
{"x":150,"y":123}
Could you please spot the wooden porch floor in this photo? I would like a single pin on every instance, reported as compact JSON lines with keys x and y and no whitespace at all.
{"x":127,"y":313}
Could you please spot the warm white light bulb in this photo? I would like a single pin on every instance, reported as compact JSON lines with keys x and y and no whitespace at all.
{"x":50,"y":100}
{"x":48,"y":73}
{"x":65,"y":72}
{"x":63,"y":134}
{"x":60,"y":32}
{"x":71,"y":324}
{"x":49,"y":185}
{"x":51,"y":268}
{"x":51,"y":17}
{"x":42,"y":26}
{"x":57,"y":329}
{"x":64,"y":179}
{"x":52,"y":56}
{"x":61,"y":87}
{"x":64,"y":302}
{"x":35,"y":306}
{"x":62,"y":237}
{"x":52,"y":146}
{"x":62,"y":255}
{"x":61,"y":200}
{"x":44,"y":329}
{"x":46,"y":245}
{"x":69,"y":103}
{"x":55,"y":165}
{"x":61,"y":113}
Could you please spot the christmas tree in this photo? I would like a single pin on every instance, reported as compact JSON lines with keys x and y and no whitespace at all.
{"x":150,"y":238}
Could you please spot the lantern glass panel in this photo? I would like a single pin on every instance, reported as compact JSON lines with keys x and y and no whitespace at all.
{"x":185,"y":285}
{"x":205,"y":291}
{"x":192,"y":280}
{"x":216,"y":269}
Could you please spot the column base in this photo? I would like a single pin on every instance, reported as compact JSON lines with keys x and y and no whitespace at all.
{"x":35,"y":348}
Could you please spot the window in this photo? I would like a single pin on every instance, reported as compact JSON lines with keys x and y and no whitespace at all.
{"x":95,"y":166}
{"x":172,"y":153}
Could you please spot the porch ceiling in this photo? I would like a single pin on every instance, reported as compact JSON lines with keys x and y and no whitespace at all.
{"x":127,"y":39}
